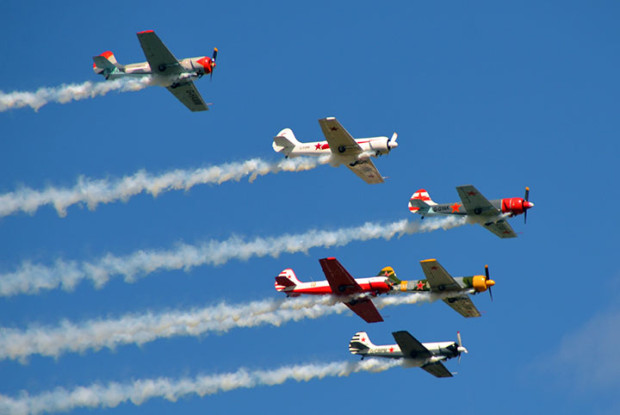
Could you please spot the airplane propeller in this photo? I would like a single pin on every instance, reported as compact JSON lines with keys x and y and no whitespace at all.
{"x":527,"y":199}
{"x":486,"y":273}
{"x":460,"y":349}
{"x":213,"y":58}
{"x":392,"y":142}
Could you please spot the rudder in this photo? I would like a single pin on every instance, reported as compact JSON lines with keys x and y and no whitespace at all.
{"x":360,"y":343}
{"x":285,"y":142}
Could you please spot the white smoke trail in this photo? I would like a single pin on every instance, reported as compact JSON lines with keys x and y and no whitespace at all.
{"x":31,"y":278}
{"x":67,"y":93}
{"x":139,"y":391}
{"x":93,"y":192}
{"x":140,"y":329}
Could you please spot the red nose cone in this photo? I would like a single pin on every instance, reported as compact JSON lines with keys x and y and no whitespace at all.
{"x":527,"y":205}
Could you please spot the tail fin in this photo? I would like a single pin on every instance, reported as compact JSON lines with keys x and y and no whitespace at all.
{"x":360,"y":343}
{"x":389,"y":273}
{"x":420,"y":201}
{"x":105,"y":64}
{"x":285,"y":142}
{"x":286,"y":280}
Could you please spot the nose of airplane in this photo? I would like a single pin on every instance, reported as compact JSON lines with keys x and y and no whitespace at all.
{"x":528,"y":205}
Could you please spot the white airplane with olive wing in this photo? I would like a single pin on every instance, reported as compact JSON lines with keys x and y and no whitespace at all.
{"x":343,"y":148}
{"x":428,"y":356}
{"x":491,"y":214}
{"x":176,"y":75}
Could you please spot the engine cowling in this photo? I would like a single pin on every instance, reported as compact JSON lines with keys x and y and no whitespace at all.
{"x":481,"y":283}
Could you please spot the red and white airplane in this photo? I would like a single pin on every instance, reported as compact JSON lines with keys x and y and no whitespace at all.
{"x":356,"y":293}
{"x":343,"y":148}
{"x":490,"y":214}
{"x":339,"y":283}
{"x":166,"y":70}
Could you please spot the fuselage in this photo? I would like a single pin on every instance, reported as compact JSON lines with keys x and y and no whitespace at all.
{"x":477,"y":283}
{"x":191,"y":69}
{"x":373,"y":285}
{"x":439,"y":351}
{"x":371,"y":147}
{"x":508,"y":207}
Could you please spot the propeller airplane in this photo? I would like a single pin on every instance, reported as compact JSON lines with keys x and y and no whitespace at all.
{"x":176,"y":75}
{"x":428,"y":356}
{"x":490,"y":214}
{"x":343,"y":148}
{"x":356,"y":293}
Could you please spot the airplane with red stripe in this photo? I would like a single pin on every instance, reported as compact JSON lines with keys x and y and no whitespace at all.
{"x":341,"y":147}
{"x":490,"y":214}
{"x":357,"y":293}
{"x":165,"y":70}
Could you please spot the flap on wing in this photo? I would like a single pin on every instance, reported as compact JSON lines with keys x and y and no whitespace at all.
{"x":501,"y":229}
{"x":438,"y":278}
{"x":339,"y":140}
{"x":340,"y":281}
{"x":463,"y":305}
{"x":157,"y":54}
{"x":437,"y":369}
{"x":474,"y":202}
{"x":410,"y":346}
{"x":366,"y":310}
{"x":366,"y":170}
{"x":189,"y":96}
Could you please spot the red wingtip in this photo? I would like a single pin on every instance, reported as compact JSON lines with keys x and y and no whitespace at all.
{"x":145,"y":31}
{"x":106,"y":54}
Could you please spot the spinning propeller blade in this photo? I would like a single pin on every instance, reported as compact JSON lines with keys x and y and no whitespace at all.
{"x":527,"y":199}
{"x":486,"y":273}
{"x":213,"y":58}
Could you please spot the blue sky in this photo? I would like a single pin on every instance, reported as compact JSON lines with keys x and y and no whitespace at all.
{"x":501,"y":96}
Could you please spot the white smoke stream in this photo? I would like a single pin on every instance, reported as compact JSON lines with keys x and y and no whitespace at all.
{"x":67,"y":93}
{"x":31,"y":278}
{"x":139,"y":329}
{"x":137,"y":392}
{"x":92,"y":192}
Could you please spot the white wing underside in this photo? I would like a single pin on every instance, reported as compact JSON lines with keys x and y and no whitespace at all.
{"x":344,"y":146}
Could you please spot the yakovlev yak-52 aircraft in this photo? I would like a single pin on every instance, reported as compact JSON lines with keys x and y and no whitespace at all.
{"x":344,"y":149}
{"x":490,"y":214}
{"x":168,"y":71}
{"x":356,"y":293}
{"x":428,"y":356}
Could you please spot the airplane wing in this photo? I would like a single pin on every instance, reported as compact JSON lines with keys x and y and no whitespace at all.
{"x":438,"y":278}
{"x":475,"y":203}
{"x":339,"y":140}
{"x":437,"y":369}
{"x":501,"y":229}
{"x":463,"y":305}
{"x":189,"y":96}
{"x":366,"y":170}
{"x":157,"y":54}
{"x":365,"y":309}
{"x":410,"y":346}
{"x":343,"y":284}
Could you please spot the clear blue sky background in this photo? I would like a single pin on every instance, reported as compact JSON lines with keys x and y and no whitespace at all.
{"x":499,"y":95}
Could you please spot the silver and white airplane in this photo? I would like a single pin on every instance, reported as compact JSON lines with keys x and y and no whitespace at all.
{"x":343,"y":148}
{"x":428,"y":356}
{"x":176,"y":75}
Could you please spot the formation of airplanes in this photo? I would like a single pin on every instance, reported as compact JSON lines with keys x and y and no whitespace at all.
{"x":341,"y":146}
{"x":166,"y":70}
{"x":428,"y":356}
{"x":163,"y":69}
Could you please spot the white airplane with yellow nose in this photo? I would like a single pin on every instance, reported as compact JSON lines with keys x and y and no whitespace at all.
{"x":166,"y":70}
{"x":343,"y":148}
